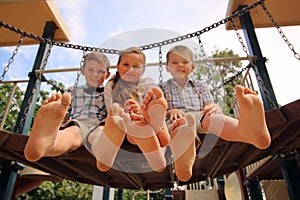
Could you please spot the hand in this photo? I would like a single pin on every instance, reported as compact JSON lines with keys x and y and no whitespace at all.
{"x":132,"y":106}
{"x":212,"y":108}
{"x":175,"y":114}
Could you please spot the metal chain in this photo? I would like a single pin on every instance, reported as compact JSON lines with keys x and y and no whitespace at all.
{"x":11,"y":59}
{"x":54,"y":85}
{"x":144,"y":47}
{"x":232,"y":78}
{"x":280,"y":31}
{"x":81,"y":66}
{"x":254,"y":67}
{"x":210,"y":77}
{"x":160,"y":67}
{"x":39,"y":79}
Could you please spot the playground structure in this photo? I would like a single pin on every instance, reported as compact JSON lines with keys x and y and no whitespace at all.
{"x":283,"y":124}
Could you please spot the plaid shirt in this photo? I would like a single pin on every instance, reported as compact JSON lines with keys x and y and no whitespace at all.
{"x":189,"y":98}
{"x":87,"y":102}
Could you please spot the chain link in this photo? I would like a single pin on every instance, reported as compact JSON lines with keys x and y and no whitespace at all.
{"x":81,"y":66}
{"x":54,"y":85}
{"x":160,"y":67}
{"x":280,"y":31}
{"x":11,"y":59}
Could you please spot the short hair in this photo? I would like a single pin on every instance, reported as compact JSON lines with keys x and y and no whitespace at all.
{"x":131,"y":50}
{"x":179,"y":49}
{"x":97,"y":56}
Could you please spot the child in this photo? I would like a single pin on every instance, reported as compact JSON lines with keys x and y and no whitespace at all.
{"x":125,"y":92}
{"x":87,"y":109}
{"x":190,"y":107}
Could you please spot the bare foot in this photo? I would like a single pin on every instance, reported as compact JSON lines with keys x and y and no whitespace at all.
{"x":252,"y":122}
{"x":106,"y":143}
{"x":183,"y":134}
{"x":44,"y":131}
{"x":154,"y":110}
{"x":142,"y":134}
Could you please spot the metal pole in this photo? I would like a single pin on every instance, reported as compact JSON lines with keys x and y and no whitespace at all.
{"x":168,"y":194}
{"x":23,"y":128}
{"x":9,"y":174}
{"x":254,"y":50}
{"x":106,"y":191}
{"x":290,"y":173}
{"x":120,"y":194}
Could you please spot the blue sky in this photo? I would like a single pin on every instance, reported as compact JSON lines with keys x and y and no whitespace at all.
{"x":108,"y":24}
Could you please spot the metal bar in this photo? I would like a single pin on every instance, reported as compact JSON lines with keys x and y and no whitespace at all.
{"x":226,"y":59}
{"x":8,"y":105}
{"x":14,"y":81}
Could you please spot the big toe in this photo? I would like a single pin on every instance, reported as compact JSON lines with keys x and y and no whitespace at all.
{"x":190,"y":119}
{"x":157,"y":92}
{"x":66,"y":99}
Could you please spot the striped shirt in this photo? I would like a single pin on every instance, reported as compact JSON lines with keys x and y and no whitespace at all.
{"x":87,"y":102}
{"x":191,"y":97}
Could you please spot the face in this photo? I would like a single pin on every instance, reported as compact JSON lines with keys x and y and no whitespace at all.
{"x":94,"y":73}
{"x":131,"y":67}
{"x":179,"y":65}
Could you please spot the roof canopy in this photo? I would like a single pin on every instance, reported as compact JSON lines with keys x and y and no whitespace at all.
{"x":285,"y":13}
{"x":30,"y":16}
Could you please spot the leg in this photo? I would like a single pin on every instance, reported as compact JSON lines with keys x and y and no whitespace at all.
{"x":183,"y":134}
{"x":249,"y":128}
{"x":45,"y":138}
{"x":143,"y":135}
{"x":106,"y":141}
{"x":154,"y":110}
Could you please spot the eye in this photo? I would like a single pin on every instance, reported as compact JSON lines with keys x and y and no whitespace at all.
{"x":137,"y":67}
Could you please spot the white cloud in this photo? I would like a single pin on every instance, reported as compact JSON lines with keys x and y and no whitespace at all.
{"x":75,"y":13}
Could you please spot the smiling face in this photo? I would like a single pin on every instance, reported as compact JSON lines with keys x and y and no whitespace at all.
{"x":179,"y":65}
{"x":95,"y":73}
{"x":131,"y":67}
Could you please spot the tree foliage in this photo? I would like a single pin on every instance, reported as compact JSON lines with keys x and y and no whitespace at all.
{"x":14,"y":107}
{"x":215,"y":75}
{"x":60,"y":190}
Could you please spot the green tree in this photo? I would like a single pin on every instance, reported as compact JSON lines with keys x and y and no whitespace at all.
{"x":60,"y":190}
{"x":215,"y":74}
{"x":14,"y":107}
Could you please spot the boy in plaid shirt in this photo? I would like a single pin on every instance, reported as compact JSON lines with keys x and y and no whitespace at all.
{"x":191,"y":110}
{"x":86,"y":106}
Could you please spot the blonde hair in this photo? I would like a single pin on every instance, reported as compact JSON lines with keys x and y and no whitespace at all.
{"x":131,"y":50}
{"x":97,"y":56}
{"x":180,"y":49}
